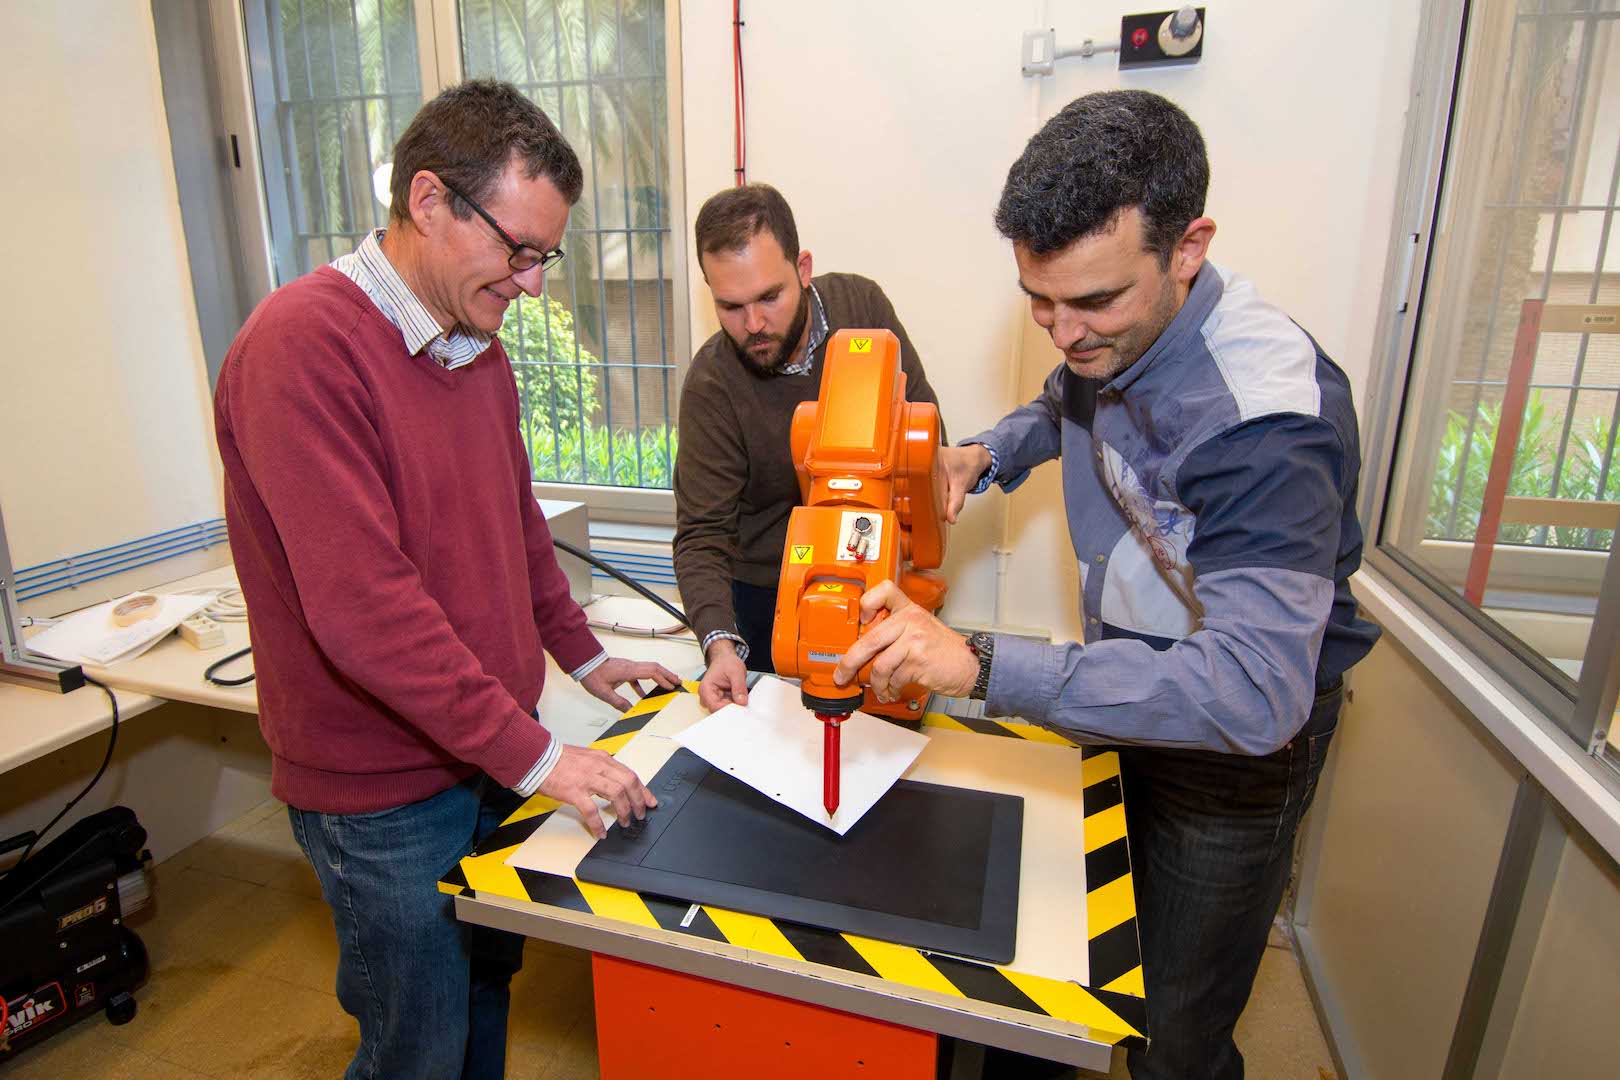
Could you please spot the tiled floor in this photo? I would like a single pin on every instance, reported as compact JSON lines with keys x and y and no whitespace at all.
{"x":243,"y":960}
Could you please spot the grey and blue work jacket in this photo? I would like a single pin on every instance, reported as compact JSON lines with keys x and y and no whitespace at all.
{"x":1210,"y":492}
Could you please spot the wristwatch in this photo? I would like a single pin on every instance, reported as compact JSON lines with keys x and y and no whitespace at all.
{"x":984,"y":647}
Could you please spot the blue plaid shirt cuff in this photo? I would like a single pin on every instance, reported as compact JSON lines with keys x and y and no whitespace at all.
{"x":715,"y":635}
{"x":990,"y":474}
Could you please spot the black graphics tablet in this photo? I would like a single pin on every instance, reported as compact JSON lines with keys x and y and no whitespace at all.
{"x":928,"y":866}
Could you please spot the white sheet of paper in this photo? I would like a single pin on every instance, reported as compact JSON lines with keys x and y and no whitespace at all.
{"x":774,"y":745}
{"x":91,"y":637}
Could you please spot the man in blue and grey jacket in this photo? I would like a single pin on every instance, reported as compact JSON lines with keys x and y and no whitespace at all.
{"x":1210,"y":461}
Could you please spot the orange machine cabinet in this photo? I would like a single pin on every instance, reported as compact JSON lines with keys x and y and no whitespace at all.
{"x":656,"y":1023}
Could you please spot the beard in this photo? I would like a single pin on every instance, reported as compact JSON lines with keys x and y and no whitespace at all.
{"x":1128,"y":347}
{"x":785,"y":344}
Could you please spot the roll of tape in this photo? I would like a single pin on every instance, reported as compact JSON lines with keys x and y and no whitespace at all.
{"x":133,"y":610}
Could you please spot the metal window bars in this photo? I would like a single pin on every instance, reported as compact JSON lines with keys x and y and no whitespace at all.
{"x":600,"y":343}
{"x":1555,"y":67}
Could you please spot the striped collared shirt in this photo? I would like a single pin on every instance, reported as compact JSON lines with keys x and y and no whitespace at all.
{"x":370,"y":269}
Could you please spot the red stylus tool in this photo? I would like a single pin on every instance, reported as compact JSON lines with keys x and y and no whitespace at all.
{"x":830,"y":757}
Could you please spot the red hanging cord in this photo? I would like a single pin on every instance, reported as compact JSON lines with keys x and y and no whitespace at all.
{"x":739,"y":96}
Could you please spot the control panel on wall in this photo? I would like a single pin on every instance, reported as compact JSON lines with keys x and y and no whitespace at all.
{"x":1161,"y":38}
{"x":1154,"y":39}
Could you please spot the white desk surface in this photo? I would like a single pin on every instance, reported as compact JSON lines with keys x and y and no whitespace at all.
{"x":173,"y":670}
{"x":33,"y":723}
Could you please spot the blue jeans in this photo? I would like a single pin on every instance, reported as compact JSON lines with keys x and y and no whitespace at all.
{"x":1212,"y":843}
{"x":430,"y":993}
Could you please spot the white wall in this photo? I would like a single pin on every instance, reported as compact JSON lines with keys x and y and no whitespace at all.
{"x":103,"y":394}
{"x":890,"y":128}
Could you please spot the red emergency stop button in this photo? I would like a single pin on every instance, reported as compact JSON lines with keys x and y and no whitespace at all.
{"x":1139,"y":37}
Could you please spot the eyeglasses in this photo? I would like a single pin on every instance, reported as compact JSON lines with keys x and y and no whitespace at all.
{"x":523,"y":257}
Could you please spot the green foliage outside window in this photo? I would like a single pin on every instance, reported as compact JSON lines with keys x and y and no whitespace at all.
{"x":594,"y":455}
{"x":556,"y":374}
{"x":559,"y":386}
{"x":1532,"y":476}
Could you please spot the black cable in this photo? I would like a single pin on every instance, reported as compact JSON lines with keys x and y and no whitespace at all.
{"x":561,"y":544}
{"x":634,"y":584}
{"x":208,"y":673}
{"x":105,"y":760}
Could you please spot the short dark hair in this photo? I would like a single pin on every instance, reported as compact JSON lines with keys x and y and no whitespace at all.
{"x":736,"y":215}
{"x":467,"y":136}
{"x":1104,"y":153}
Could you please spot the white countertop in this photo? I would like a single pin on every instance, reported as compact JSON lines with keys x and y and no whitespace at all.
{"x":33,"y":723}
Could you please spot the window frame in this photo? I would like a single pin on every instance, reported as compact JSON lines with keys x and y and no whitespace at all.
{"x":439,"y":58}
{"x":1577,"y":708}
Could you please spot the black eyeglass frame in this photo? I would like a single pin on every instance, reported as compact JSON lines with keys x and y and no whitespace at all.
{"x":516,"y":260}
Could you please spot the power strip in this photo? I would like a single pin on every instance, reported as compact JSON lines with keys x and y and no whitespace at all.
{"x":201,"y":632}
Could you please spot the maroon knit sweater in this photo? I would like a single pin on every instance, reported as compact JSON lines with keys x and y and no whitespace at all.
{"x":399,"y":576}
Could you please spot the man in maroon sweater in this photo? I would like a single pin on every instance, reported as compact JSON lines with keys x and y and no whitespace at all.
{"x":401,"y":579}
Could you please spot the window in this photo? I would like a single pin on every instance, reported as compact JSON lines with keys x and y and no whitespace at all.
{"x":335,"y":84}
{"x":598,"y":357}
{"x":1503,"y":496}
{"x":593,"y":356}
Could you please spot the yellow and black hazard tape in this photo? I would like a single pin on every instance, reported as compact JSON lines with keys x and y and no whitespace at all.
{"x":1113,"y":1009}
{"x":1115,"y":952}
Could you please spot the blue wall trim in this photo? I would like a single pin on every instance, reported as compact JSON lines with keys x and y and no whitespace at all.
{"x":647,"y":569}
{"x":75,"y":570}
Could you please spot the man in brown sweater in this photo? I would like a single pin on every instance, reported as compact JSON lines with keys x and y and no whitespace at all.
{"x":734,"y":479}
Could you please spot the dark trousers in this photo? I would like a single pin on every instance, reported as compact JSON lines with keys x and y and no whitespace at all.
{"x":755,"y":608}
{"x":1212,"y":842}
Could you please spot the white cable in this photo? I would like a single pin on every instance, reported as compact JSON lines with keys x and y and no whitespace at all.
{"x":226,"y":604}
{"x":639,"y":631}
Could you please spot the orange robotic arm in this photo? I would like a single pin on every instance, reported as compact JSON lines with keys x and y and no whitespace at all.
{"x":874,"y":510}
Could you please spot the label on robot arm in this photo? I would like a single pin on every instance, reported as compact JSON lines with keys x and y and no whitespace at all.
{"x":860,"y":536}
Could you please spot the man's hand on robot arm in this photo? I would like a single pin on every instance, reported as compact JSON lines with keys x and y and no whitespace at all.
{"x":906,"y":645}
{"x":963,"y":466}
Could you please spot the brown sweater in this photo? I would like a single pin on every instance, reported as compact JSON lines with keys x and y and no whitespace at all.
{"x":734,"y":479}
